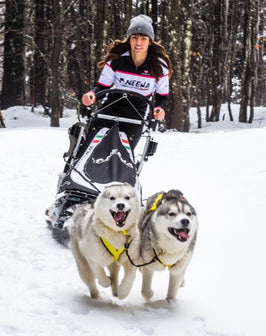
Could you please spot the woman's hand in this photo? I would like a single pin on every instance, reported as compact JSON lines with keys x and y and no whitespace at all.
{"x":88,"y":98}
{"x":158,"y":113}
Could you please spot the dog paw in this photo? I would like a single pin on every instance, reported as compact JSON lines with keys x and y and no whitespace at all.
{"x":171,"y":299}
{"x":114,"y":292}
{"x":122,"y":293}
{"x":95,"y":295}
{"x":105,"y":282}
{"x":147,"y":294}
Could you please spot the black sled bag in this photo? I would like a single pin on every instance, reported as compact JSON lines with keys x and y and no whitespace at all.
{"x":107,"y":159}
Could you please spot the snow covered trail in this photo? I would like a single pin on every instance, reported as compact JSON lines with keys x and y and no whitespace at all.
{"x":222,"y":174}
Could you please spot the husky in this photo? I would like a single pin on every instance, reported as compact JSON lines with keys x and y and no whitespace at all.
{"x":168,"y":233}
{"x":100,"y":236}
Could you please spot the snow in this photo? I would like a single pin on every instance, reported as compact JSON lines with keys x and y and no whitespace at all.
{"x":221,"y":169}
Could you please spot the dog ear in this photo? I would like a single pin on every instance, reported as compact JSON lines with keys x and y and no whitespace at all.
{"x":174,"y":194}
{"x":177,"y":196}
{"x":106,"y":192}
{"x":127,"y":184}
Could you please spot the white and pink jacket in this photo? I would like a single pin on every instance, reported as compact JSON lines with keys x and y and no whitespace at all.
{"x":123,"y":74}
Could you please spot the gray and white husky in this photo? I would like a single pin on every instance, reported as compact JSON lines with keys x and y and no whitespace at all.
{"x":100,"y":235}
{"x":168,"y":234}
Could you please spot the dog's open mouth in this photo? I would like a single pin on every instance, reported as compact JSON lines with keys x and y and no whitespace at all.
{"x":119,"y":217}
{"x":180,"y":234}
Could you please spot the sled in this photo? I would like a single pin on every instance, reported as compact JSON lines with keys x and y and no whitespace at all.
{"x":99,"y":159}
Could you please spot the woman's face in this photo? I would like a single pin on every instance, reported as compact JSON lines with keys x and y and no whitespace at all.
{"x":139,"y":45}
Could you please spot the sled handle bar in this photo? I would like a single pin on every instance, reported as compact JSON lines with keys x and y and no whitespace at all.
{"x":119,"y":119}
{"x":124,"y":94}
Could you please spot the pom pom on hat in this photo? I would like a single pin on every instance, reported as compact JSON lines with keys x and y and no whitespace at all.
{"x":141,"y":24}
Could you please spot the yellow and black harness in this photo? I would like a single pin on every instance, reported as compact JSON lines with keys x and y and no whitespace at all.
{"x":160,"y":261}
{"x":116,"y":253}
{"x":153,"y":208}
{"x":155,"y":203}
{"x":113,"y":251}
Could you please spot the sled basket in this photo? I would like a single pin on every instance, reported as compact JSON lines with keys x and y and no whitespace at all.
{"x":105,"y":160}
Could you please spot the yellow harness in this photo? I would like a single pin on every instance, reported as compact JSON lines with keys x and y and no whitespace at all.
{"x":153,"y":208}
{"x":113,"y":251}
{"x":117,"y":253}
{"x":154,"y":205}
{"x":160,"y":261}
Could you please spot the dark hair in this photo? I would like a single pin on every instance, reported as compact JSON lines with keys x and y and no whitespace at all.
{"x":156,"y":53}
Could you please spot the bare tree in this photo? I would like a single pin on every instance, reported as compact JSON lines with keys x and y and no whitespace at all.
{"x":80,"y":51}
{"x":55,"y":60}
{"x":213,"y":44}
{"x":179,"y":48}
{"x":260,"y":97}
{"x":248,"y":61}
{"x":2,"y":33}
{"x":217,"y":58}
{"x":13,"y":86}
{"x":40,"y":51}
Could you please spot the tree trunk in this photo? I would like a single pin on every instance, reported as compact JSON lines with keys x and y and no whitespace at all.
{"x":13,"y":88}
{"x":99,"y":32}
{"x":260,"y":96}
{"x":154,"y":16}
{"x":55,"y":91}
{"x":249,"y":63}
{"x":128,"y":14}
{"x":40,"y":73}
{"x":231,"y":54}
{"x":179,"y":46}
{"x":217,"y":60}
{"x":253,"y":56}
{"x":116,"y":28}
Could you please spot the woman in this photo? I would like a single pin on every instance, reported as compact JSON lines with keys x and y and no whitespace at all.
{"x":137,"y":64}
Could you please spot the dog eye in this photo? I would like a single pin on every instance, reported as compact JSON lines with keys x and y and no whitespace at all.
{"x":171,"y":214}
{"x":189,"y":214}
{"x":112,"y":198}
{"x":127,"y":198}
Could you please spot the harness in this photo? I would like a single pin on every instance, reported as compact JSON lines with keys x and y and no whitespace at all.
{"x":113,"y":251}
{"x":153,"y":208}
{"x":154,"y":259}
{"x":160,"y":261}
{"x":155,"y":203}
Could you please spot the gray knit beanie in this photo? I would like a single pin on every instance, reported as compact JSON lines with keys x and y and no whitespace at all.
{"x":141,"y":24}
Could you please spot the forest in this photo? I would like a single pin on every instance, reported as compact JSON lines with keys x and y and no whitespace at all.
{"x":50,"y":50}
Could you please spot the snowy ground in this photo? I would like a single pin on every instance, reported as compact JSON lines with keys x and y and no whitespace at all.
{"x":221,"y":169}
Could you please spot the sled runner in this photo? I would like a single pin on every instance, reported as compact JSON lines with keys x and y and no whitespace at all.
{"x":98,"y":158}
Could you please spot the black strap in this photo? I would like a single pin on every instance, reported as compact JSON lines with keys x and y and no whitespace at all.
{"x":140,"y":265}
{"x":155,"y":258}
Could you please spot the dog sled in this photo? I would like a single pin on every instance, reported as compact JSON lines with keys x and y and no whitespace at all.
{"x":99,"y":158}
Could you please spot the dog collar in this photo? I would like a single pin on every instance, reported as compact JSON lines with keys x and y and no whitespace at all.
{"x":113,"y":251}
{"x":160,"y":261}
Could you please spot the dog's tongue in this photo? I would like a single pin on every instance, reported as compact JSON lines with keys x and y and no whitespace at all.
{"x":183,"y":234}
{"x":119,"y":216}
